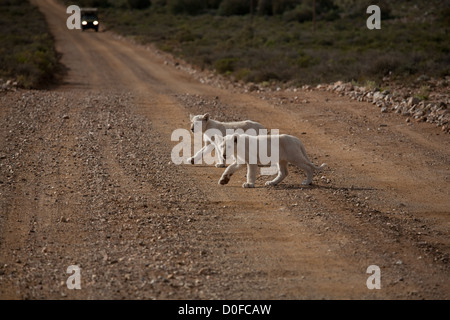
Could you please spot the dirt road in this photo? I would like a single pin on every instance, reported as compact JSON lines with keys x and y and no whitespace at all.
{"x":87,"y":180}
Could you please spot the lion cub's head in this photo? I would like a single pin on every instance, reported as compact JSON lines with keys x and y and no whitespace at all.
{"x":199,"y":121}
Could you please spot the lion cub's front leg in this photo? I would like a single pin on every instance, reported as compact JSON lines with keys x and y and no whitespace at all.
{"x":251,"y":176}
{"x":198,"y":156}
{"x":225,"y":178}
{"x":220,"y":161}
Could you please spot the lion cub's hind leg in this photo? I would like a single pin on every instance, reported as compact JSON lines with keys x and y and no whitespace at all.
{"x":282,"y":173}
{"x":308,"y":168}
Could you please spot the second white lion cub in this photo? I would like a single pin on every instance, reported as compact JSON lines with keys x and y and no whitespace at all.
{"x":207,"y":125}
{"x":243,"y":147}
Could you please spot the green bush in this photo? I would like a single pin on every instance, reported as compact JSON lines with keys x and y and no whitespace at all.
{"x":192,"y":7}
{"x":304,"y":60}
{"x":299,"y":14}
{"x":356,"y":8}
{"x":325,"y":6}
{"x":444,"y":14}
{"x":27,"y":51}
{"x":139,"y":4}
{"x":243,"y":74}
{"x":264,"y":7}
{"x":325,"y":10}
{"x":93,"y":3}
{"x":287,"y":48}
{"x":12,"y":2}
{"x":225,"y":65}
{"x":423,"y":93}
{"x":213,"y":4}
{"x":280,"y":6}
{"x":384,"y":64}
{"x":234,"y":7}
{"x":184,"y":35}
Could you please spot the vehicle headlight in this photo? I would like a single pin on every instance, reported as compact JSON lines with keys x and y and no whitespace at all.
{"x":84,"y":23}
{"x":95,"y":23}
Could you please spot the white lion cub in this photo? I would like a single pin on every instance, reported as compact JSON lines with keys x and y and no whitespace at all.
{"x":207,"y":123}
{"x":243,"y":148}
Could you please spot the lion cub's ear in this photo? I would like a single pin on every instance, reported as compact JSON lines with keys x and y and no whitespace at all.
{"x":206,"y":116}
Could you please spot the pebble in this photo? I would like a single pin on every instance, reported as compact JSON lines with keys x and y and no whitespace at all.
{"x":434,"y":111}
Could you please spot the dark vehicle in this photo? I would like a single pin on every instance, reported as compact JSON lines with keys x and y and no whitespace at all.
{"x":89,"y":19}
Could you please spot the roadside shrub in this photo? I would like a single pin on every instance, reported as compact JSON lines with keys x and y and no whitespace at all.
{"x":159,"y":3}
{"x":184,"y":35}
{"x":277,"y":47}
{"x":27,"y":51}
{"x":325,"y":10}
{"x":299,"y":14}
{"x":357,"y":8}
{"x":444,"y":14}
{"x":139,"y":4}
{"x":384,"y":64}
{"x":280,"y":6}
{"x":242,"y":74}
{"x":225,"y":65}
{"x":304,"y":60}
{"x":325,"y":6}
{"x":423,"y":93}
{"x":213,"y":4}
{"x":12,"y":2}
{"x":275,"y":7}
{"x":191,"y":7}
{"x":94,"y":3}
{"x":234,"y":7}
{"x":264,"y":7}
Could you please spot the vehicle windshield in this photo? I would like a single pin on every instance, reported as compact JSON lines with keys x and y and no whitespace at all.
{"x":89,"y":17}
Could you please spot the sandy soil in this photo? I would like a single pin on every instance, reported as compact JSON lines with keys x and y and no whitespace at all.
{"x":87,"y":179}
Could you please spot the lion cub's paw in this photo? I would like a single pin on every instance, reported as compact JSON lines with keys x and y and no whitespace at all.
{"x":224,"y":180}
{"x":220,"y":165}
{"x":306,"y":182}
{"x":270,"y":183}
{"x":248,"y":185}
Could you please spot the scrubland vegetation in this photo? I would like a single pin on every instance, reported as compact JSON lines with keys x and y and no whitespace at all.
{"x":290,"y":41}
{"x":284,"y":40}
{"x":27,"y":54}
